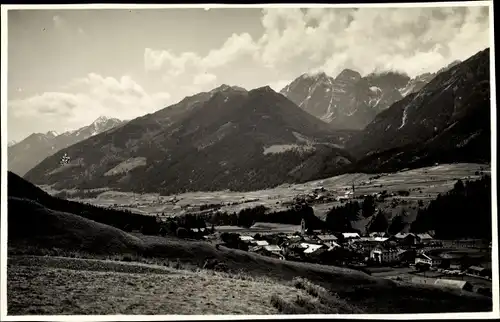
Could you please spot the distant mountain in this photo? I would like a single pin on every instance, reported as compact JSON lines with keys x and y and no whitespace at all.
{"x":417,"y":83}
{"x":11,"y":143}
{"x":27,"y":153}
{"x":350,"y":101}
{"x":228,"y":138}
{"x":448,"y":120}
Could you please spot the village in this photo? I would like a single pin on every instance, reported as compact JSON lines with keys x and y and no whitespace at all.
{"x":414,"y":258}
{"x":405,"y":256}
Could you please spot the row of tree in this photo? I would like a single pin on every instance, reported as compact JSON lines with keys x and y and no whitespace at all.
{"x":465,"y":211}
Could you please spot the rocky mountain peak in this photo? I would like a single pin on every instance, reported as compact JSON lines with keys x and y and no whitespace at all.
{"x":348,"y":75}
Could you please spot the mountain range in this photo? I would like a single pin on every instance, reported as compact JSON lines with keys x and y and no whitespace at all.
{"x":26,"y":154}
{"x":231,"y":138}
{"x":350,"y":101}
{"x":228,"y":138}
{"x":448,"y":120}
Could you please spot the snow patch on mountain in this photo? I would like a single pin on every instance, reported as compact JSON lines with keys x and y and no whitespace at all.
{"x":282,"y":148}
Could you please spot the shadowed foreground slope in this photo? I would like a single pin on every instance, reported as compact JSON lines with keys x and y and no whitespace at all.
{"x":36,"y":229}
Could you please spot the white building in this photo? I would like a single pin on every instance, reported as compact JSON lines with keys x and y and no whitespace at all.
{"x":385,"y":255}
{"x":310,"y":248}
{"x":433,"y":261}
{"x":246,"y":238}
{"x":350,"y":235}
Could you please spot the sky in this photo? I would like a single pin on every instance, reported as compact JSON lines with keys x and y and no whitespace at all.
{"x":68,"y":67}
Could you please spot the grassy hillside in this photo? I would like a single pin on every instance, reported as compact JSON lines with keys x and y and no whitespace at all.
{"x":147,"y":289}
{"x":34,"y":229}
{"x":20,"y":188}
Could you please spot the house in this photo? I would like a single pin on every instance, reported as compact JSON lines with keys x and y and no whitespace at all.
{"x":270,"y":252}
{"x":312,"y":248}
{"x":424,"y":238}
{"x":456,"y":284}
{"x":384,"y":254}
{"x":479,"y":271}
{"x":466,"y":243}
{"x":255,"y":249}
{"x":261,"y":243}
{"x":405,"y":238}
{"x":378,"y":234}
{"x":455,"y":265}
{"x":272,"y":248}
{"x":432,"y":260}
{"x":348,"y":236}
{"x":369,"y":243}
{"x":294,"y":238}
{"x":327,"y":238}
{"x":246,"y":238}
{"x":408,"y":256}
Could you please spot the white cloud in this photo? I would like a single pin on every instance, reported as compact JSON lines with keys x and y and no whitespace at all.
{"x":204,"y":79}
{"x":295,"y":41}
{"x":84,"y":100}
{"x":279,"y":85}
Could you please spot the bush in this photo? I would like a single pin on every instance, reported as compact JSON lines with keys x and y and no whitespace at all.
{"x":285,"y":307}
{"x":182,"y":232}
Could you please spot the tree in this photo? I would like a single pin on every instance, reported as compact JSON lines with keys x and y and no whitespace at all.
{"x":459,"y":187}
{"x":182,"y":232}
{"x":338,"y":219}
{"x":397,"y":224}
{"x":422,"y":267}
{"x":379,"y":223}
{"x":368,"y":208}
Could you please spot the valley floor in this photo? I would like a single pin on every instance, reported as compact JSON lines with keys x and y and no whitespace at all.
{"x":424,"y":183}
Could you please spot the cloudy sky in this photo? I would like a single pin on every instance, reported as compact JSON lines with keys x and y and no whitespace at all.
{"x":68,"y":67}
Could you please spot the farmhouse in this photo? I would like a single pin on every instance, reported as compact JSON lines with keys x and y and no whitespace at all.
{"x":479,"y":271}
{"x":424,"y":238}
{"x":384,"y":254}
{"x":407,"y":256}
{"x":348,"y":236}
{"x":467,"y":243}
{"x":405,"y":238}
{"x":261,"y":243}
{"x":369,"y":243}
{"x":327,"y":238}
{"x":246,"y":238}
{"x":294,"y":238}
{"x":378,"y":234}
{"x":432,"y":260}
{"x":311,"y":248}
{"x":272,"y":248}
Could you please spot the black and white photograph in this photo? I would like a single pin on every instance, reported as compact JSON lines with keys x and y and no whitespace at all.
{"x":229,"y":160}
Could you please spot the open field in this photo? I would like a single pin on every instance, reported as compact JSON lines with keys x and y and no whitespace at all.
{"x":424,"y":184}
{"x":259,"y":228}
{"x":106,"y":287}
{"x":90,"y":286}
